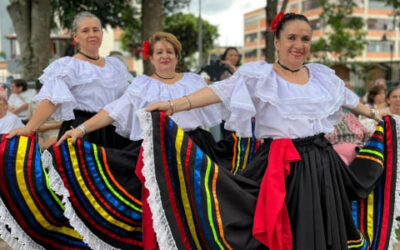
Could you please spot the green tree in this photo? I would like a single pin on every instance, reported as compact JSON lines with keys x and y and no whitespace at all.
{"x":344,"y":35}
{"x":114,"y":13}
{"x":31,"y":21}
{"x":184,"y":27}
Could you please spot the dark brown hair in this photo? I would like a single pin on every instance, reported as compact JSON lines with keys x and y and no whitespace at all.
{"x":287,"y":18}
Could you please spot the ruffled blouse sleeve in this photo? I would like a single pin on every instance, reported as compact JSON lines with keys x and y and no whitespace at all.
{"x":70,"y":83}
{"x":339,"y":95}
{"x":145,"y":90}
{"x":238,"y":96}
{"x":57,"y":80}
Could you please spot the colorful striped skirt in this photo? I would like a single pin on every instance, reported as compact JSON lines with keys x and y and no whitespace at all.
{"x":194,"y":203}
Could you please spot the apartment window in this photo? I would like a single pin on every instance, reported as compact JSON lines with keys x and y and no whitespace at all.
{"x":380,"y":46}
{"x":294,"y":7}
{"x":315,"y":24}
{"x":250,"y":54}
{"x":251,"y":21}
{"x":380,"y":24}
{"x":377,"y":4}
{"x":310,"y":5}
{"x":250,"y":37}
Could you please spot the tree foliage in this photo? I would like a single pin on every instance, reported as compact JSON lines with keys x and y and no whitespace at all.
{"x":184,"y":27}
{"x":174,"y":6}
{"x":344,"y":35}
{"x":31,"y":21}
{"x":114,"y":13}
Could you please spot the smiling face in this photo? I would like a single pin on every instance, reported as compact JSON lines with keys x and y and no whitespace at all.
{"x":89,"y":35}
{"x":380,"y":97}
{"x":394,"y":101}
{"x":232,"y":56}
{"x":164,"y":58}
{"x":293,"y":44}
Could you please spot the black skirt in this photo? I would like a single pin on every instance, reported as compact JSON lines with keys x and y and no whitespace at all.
{"x":106,"y":137}
{"x":196,"y":203}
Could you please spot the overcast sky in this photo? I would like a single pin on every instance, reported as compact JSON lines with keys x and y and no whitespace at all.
{"x":228,"y":16}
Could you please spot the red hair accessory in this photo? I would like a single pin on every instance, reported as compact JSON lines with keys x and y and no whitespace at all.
{"x":146,"y":50}
{"x":276,"y":21}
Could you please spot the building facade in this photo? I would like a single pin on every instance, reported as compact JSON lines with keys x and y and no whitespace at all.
{"x":382,"y":33}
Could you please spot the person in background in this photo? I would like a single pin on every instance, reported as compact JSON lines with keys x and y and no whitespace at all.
{"x":378,"y":82}
{"x":393,"y":100}
{"x":76,"y":88}
{"x":376,"y":97}
{"x":19,"y":99}
{"x":230,"y":59}
{"x":8,"y":120}
{"x":48,"y":132}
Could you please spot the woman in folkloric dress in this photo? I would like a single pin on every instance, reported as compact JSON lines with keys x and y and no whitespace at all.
{"x":296,"y":192}
{"x":76,"y":88}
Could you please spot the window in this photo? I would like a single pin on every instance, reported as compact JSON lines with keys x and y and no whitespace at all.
{"x":251,"y":54}
{"x":380,"y":24}
{"x":377,"y":4}
{"x":294,"y":7}
{"x":251,"y":21}
{"x":380,"y":46}
{"x":315,"y":24}
{"x":310,"y":5}
{"x":250,"y":37}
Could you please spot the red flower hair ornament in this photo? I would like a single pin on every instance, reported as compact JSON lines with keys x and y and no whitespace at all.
{"x":276,"y":21}
{"x":146,"y":50}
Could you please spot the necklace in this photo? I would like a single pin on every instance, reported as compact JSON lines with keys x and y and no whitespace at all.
{"x":89,"y":57}
{"x":165,"y":78}
{"x":291,"y":70}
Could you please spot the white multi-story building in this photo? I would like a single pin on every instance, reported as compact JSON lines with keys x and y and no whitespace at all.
{"x":382,"y":35}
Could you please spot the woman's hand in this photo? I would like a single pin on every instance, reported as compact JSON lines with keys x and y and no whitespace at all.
{"x":381,"y":113}
{"x":73,"y":134}
{"x":161,"y":106}
{"x":19,"y":131}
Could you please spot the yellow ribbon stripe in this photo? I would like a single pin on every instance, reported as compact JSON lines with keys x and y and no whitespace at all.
{"x":99,"y":209}
{"x":246,"y":155}
{"x":184,"y":195}
{"x":19,"y":166}
{"x":370,"y":216}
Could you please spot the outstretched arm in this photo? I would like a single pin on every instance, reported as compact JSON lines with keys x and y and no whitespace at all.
{"x":42,"y":113}
{"x":200,"y":98}
{"x":364,"y":110}
{"x":98,"y":121}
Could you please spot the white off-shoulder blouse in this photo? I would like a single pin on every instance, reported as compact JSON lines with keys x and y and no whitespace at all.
{"x":283,"y":109}
{"x":145,"y":90}
{"x":75,"y":84}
